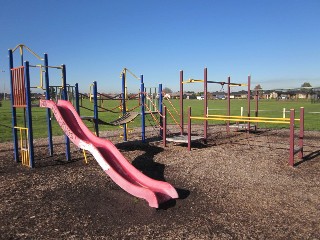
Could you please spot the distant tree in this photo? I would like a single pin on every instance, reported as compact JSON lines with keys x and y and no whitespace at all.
{"x":209,"y":95}
{"x":258,"y":87}
{"x":193,"y":96}
{"x":167,"y":90}
{"x":306,"y":85}
{"x":306,"y":88}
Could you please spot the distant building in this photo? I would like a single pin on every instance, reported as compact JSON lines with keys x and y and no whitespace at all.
{"x":218,"y":95}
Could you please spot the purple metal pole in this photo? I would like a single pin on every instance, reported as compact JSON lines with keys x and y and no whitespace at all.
{"x":257,"y":108}
{"x":189,"y":129}
{"x":257,"y":103}
{"x":205,"y":90}
{"x":249,"y":98}
{"x":181,"y":103}
{"x":229,"y":104}
{"x":164,"y":128}
{"x":160,"y":106}
{"x":291,"y":154}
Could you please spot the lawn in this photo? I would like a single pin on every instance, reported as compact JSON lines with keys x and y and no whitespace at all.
{"x":267,"y":108}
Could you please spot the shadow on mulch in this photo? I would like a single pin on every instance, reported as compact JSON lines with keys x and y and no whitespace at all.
{"x":308,"y":157}
{"x":146,"y":164}
{"x":56,"y":160}
{"x":182,"y":193}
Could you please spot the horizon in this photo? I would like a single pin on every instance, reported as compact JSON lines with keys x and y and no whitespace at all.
{"x":276,"y":42}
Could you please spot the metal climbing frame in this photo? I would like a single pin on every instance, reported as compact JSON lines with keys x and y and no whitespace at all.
{"x":205,"y":82}
{"x":20,"y":92}
{"x":21,"y":98}
{"x":19,"y":101}
{"x":269,"y":120}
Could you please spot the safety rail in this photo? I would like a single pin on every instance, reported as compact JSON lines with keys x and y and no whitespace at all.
{"x":290,"y":121}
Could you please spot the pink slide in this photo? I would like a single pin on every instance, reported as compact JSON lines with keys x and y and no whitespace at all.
{"x":109,"y":157}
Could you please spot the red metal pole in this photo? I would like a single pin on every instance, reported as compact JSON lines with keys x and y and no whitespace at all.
{"x":229,"y":103}
{"x":249,"y":97}
{"x":301,"y":135}
{"x":205,"y":90}
{"x":257,"y":108}
{"x":189,"y":128}
{"x":291,"y":154}
{"x":164,"y":128}
{"x":257,"y":103}
{"x":181,"y":103}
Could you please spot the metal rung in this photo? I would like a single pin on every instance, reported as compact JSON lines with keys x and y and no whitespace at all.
{"x":24,"y":147}
{"x":25,"y":158}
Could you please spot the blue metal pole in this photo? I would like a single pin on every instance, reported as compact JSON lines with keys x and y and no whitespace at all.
{"x":64,"y":83}
{"x":181,"y":104}
{"x":95,"y":108}
{"x":160,"y":100}
{"x":21,"y":54}
{"x":143,"y":115}
{"x":124,"y":110}
{"x":47,"y":86}
{"x":14,"y":114}
{"x":65,"y":97}
{"x":77,"y":98}
{"x":29,"y":113}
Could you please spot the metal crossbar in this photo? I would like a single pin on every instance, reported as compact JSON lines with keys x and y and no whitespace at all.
{"x":249,"y":118}
{"x":239,"y":120}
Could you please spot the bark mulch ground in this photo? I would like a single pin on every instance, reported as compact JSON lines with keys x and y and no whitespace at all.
{"x":237,"y":186}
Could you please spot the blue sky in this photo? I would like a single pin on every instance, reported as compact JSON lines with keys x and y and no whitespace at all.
{"x":276,"y":41}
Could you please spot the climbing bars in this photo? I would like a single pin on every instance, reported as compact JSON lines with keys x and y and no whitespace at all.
{"x":290,"y":121}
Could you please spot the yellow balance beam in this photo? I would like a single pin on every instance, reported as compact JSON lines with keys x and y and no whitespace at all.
{"x":249,"y":118}
{"x":240,"y":120}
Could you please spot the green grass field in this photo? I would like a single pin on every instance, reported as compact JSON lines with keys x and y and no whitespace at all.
{"x":267,"y":108}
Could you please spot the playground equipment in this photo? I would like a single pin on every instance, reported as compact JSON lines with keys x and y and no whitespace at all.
{"x":291,"y":121}
{"x":182,"y":137}
{"x":123,"y":76}
{"x":21,"y":99}
{"x":238,"y":126}
{"x":99,"y":101}
{"x":149,"y":101}
{"x":109,"y":157}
